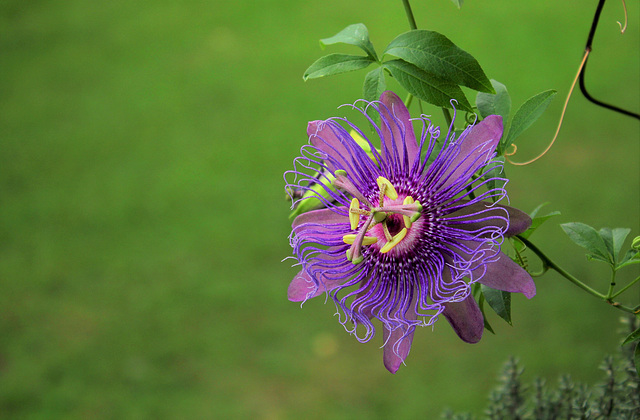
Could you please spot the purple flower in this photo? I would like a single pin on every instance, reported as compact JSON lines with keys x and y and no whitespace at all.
{"x":406,"y":229}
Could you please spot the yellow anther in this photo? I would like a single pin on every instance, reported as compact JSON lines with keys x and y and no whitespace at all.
{"x":354,"y":216}
{"x":394,"y":241}
{"x":407,"y":221}
{"x":389,"y":191}
{"x":367,"y":240}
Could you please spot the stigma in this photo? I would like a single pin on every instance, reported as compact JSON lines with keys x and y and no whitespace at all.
{"x":389,"y":221}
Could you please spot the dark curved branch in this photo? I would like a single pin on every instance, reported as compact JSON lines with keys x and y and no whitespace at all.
{"x":588,"y":49}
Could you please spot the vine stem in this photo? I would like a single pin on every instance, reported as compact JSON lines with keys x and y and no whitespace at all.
{"x":631,"y":283}
{"x":409,"y":12}
{"x":412,"y":24}
{"x":549,"y":263}
{"x":612,"y":284}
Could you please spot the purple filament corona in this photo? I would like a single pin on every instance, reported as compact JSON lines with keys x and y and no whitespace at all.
{"x":405,"y":225}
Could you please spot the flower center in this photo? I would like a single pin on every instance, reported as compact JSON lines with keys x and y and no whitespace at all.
{"x":393,"y":216}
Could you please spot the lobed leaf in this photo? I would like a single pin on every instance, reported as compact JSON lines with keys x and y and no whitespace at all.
{"x":434,"y":53}
{"x":588,"y":238}
{"x":613,"y":239}
{"x":356,"y":34}
{"x":335,"y":64}
{"x":426,"y":86}
{"x":528,"y":113}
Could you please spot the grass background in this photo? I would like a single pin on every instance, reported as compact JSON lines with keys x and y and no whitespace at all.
{"x":142,"y":218}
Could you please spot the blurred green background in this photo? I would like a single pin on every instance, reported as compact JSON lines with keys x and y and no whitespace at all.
{"x":143,"y":220}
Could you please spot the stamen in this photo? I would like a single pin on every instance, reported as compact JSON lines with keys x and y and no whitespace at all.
{"x":394,"y":241}
{"x":353,"y":253}
{"x":354,"y":216}
{"x":366,"y":240}
{"x":362,"y":212}
{"x":389,"y":191}
{"x":407,"y":221}
{"x":387,"y":234}
{"x":383,"y":188}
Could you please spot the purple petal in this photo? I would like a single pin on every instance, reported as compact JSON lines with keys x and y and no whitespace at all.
{"x":466,"y":319}
{"x":519,"y":221}
{"x":398,"y":130}
{"x":395,"y":353}
{"x":476,"y":148}
{"x":322,"y":216}
{"x":323,"y":227}
{"x":302,"y":287}
{"x":504,"y":274}
{"x":322,"y":135}
{"x":495,"y":215}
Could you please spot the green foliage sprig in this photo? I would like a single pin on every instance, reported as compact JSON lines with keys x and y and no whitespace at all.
{"x":617,"y":396}
{"x":427,"y":64}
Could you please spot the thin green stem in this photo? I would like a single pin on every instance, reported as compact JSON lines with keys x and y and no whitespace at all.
{"x":624,"y":289}
{"x":549,"y":263}
{"x":407,"y":102}
{"x":563,"y":273}
{"x":612,"y":284}
{"x":409,"y":12}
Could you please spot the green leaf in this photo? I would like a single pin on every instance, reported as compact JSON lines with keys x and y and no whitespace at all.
{"x":632,"y":256}
{"x":426,"y":86}
{"x":588,"y":238}
{"x":537,"y":221}
{"x":356,"y":34}
{"x":374,"y":84}
{"x":535,"y":211}
{"x":336,"y":64}
{"x":487,"y":326}
{"x":498,"y":103}
{"x":614,"y":238}
{"x":632,"y":337}
{"x":528,"y":113}
{"x":435,"y":53}
{"x":607,"y":237}
{"x":499,"y":301}
{"x":619,"y":236}
{"x":458,"y":3}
